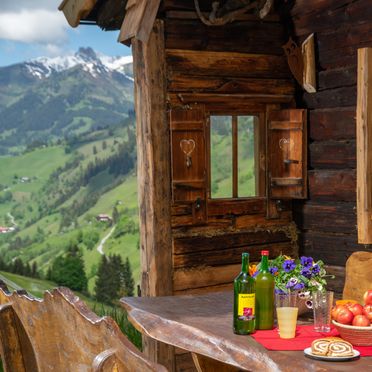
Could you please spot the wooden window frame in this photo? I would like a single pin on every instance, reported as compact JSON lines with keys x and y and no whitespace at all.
{"x":259,"y":150}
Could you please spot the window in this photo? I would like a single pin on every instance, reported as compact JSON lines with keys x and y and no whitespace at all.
{"x":235,"y":156}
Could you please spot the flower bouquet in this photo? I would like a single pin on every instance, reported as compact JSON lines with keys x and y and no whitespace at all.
{"x":303,"y":275}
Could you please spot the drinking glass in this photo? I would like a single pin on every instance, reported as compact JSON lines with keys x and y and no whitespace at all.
{"x":287,"y":311}
{"x":322,"y":306}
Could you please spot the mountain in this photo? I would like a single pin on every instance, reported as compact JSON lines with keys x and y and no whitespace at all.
{"x":47,"y":99}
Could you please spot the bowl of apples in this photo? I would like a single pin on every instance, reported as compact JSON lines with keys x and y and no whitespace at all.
{"x":354,"y":321}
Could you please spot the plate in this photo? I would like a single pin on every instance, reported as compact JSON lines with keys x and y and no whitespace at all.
{"x":309,"y":354}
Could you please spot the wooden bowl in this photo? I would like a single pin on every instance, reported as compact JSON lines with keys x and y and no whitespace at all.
{"x":358,"y":336}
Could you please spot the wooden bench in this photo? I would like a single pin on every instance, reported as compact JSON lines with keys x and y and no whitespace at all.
{"x":59,"y":333}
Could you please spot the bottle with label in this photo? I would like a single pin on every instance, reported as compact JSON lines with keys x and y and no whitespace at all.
{"x":244,"y":300}
{"x":265,"y":286}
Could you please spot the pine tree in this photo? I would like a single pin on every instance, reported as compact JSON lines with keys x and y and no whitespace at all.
{"x":69,"y":270}
{"x":115,"y":215}
{"x":104,"y":289}
{"x":27,"y":270}
{"x":128,"y":278}
{"x":18,"y":267}
{"x":34,"y":271}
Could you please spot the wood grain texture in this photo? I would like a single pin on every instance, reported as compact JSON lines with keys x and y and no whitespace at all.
{"x":333,"y":154}
{"x":364,"y":146}
{"x":332,"y":185}
{"x":202,"y":324}
{"x":33,"y":333}
{"x":244,"y":65}
{"x":153,"y":160}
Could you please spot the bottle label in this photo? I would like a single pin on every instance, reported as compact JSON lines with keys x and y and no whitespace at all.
{"x":246,"y":305}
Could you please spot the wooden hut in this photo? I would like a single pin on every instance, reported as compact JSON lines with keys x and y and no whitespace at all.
{"x":291,"y":68}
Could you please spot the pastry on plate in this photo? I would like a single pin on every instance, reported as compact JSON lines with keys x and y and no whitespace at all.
{"x":331,"y":346}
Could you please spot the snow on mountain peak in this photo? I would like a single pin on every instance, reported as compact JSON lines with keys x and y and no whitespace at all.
{"x":87,"y":58}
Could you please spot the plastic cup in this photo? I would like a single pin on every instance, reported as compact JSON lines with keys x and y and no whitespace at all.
{"x":287,"y":311}
{"x":322,"y":306}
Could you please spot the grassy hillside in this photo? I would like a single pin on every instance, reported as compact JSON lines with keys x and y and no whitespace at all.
{"x":67,"y":186}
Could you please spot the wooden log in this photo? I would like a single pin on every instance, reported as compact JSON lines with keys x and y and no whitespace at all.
{"x":185,"y":363}
{"x":249,"y":36}
{"x":209,"y":276}
{"x":334,"y":249}
{"x":336,"y":78}
{"x":154,"y":191}
{"x":233,"y":253}
{"x":333,"y":154}
{"x":324,"y":21}
{"x":338,"y":97}
{"x":332,"y":124}
{"x":206,"y":63}
{"x":236,"y":207}
{"x":208,"y":243}
{"x":179,"y":82}
{"x":327,"y":217}
{"x":364,"y":146}
{"x":332,"y":185}
{"x":336,"y":283}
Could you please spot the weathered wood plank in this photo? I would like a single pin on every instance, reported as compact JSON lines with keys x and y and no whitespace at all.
{"x":332,"y":185}
{"x":333,"y":217}
{"x":234,"y":252}
{"x":249,"y":36}
{"x":206,"y":63}
{"x":364,"y":146}
{"x":179,"y":82}
{"x":338,"y":97}
{"x":236,"y":207}
{"x":336,"y":78}
{"x":343,"y":15}
{"x":332,"y":124}
{"x":333,"y":154}
{"x":228,"y":240}
{"x":153,"y":165}
{"x":334,"y":249}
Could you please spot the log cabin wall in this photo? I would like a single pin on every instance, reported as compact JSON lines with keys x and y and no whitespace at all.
{"x":327,"y":220}
{"x":217,"y":66}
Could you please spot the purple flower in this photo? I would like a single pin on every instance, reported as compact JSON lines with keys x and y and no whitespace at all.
{"x":306,"y":272}
{"x":316,"y":269}
{"x":273,"y":270}
{"x":291,"y":283}
{"x":306,"y":261}
{"x":299,"y":286}
{"x":279,"y":291}
{"x":288,"y":265}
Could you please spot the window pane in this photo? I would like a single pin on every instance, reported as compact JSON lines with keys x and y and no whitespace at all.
{"x":221,"y":157}
{"x":246,"y":156}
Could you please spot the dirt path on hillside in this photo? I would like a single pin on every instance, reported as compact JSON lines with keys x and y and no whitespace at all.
{"x":103,"y":241}
{"x":12,"y":220}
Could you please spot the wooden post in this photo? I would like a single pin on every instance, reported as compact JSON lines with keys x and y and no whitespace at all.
{"x":364,"y":146}
{"x":154,"y":193}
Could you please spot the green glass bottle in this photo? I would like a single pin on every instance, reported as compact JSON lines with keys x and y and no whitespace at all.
{"x":265,"y":286}
{"x":244,"y":300}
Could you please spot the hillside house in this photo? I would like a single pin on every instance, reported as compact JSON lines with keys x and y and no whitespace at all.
{"x":103,"y":218}
{"x":308,"y":105}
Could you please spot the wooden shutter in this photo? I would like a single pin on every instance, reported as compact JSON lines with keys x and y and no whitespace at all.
{"x":287,"y":154}
{"x":188,"y":149}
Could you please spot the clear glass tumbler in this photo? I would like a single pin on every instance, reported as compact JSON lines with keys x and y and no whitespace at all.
{"x":322,"y":306}
{"x":287,"y":311}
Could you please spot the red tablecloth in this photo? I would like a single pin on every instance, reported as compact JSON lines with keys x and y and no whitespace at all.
{"x":304,"y":337}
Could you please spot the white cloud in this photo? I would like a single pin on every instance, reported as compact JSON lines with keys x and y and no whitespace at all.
{"x":11,"y":5}
{"x":34,"y":26}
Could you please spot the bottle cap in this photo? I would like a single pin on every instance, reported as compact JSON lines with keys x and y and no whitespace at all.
{"x":264,"y":253}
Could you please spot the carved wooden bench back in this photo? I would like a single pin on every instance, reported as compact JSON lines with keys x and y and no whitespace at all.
{"x":59,"y":333}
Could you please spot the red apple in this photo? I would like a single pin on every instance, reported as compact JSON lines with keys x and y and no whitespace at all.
{"x":361,"y":321}
{"x":367,"y":311}
{"x":335,"y":310}
{"x":345,"y":316}
{"x":367,"y":297}
{"x":356,"y":309}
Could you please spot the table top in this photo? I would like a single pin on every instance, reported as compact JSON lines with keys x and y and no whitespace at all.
{"x":203,"y":324}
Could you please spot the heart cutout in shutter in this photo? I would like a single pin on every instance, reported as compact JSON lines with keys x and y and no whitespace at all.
{"x":187,"y":146}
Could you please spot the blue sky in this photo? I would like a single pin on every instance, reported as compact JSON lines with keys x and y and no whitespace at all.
{"x":35,"y":28}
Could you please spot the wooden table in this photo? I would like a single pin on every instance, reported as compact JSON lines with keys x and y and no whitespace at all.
{"x":203,"y":325}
